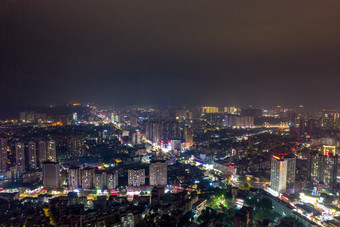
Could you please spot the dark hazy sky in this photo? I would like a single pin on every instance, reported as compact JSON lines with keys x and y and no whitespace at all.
{"x":147,"y":52}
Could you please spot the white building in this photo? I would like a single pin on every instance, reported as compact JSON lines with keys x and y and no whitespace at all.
{"x":158,"y":173}
{"x":136,"y":177}
{"x":112,"y":179}
{"x":87,"y":178}
{"x":278,"y":174}
{"x":282,"y":173}
{"x":74,"y":177}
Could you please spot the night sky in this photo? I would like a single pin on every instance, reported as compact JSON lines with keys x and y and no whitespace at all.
{"x":155,"y":52}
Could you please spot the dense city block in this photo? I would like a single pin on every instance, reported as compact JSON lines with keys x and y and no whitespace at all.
{"x":88,"y":165}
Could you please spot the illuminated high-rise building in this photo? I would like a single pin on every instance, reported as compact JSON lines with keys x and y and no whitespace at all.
{"x":328,"y":171}
{"x":170,"y":130}
{"x":291,"y":169}
{"x":209,"y":109}
{"x":76,"y":146}
{"x":42,"y":152}
{"x":162,"y":130}
{"x":313,"y":166}
{"x":75,"y":116}
{"x":135,"y":137}
{"x":322,"y":169}
{"x":51,"y":153}
{"x":188,"y":135}
{"x":99,"y":179}
{"x":278,"y":174}
{"x":112,"y":179}
{"x":233,"y":120}
{"x":87,"y":178}
{"x":51,"y":174}
{"x":74,"y":177}
{"x":3,"y":155}
{"x":20,"y":154}
{"x":32,"y":155}
{"x":230,"y":110}
{"x":153,"y":131}
{"x":158,"y":173}
{"x":282,"y":177}
{"x":136,"y":177}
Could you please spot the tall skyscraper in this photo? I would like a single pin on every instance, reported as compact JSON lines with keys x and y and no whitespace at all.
{"x":136,"y":177}
{"x":32,"y":155}
{"x":20,"y":154}
{"x":76,"y":146}
{"x":51,"y":174}
{"x":135,"y":137}
{"x":51,"y":154}
{"x":3,"y":155}
{"x":87,"y":178}
{"x":162,"y":130}
{"x":75,"y":116}
{"x":322,"y":169}
{"x":158,"y":173}
{"x":74,"y":177}
{"x":188,"y":136}
{"x":282,"y":177}
{"x":99,"y":180}
{"x":153,"y":131}
{"x":291,"y":169}
{"x":328,"y":171}
{"x":112,"y":179}
{"x":313,"y":166}
{"x":42,"y":153}
{"x":278,"y":174}
{"x":302,"y":126}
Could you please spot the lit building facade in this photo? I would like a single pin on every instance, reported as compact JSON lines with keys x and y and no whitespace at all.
{"x":188,"y":136}
{"x":76,"y":146}
{"x":42,"y":152}
{"x":282,"y":173}
{"x":209,"y":109}
{"x":99,"y":179}
{"x":232,"y":120}
{"x":136,"y":177}
{"x":20,"y":155}
{"x":74,"y":177}
{"x":112,"y":179}
{"x":158,"y":173}
{"x":87,"y":178}
{"x":230,"y":110}
{"x":322,"y":169}
{"x":278,"y":174}
{"x":51,"y":154}
{"x":162,"y":130}
{"x":3,"y":155}
{"x":32,"y":155}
